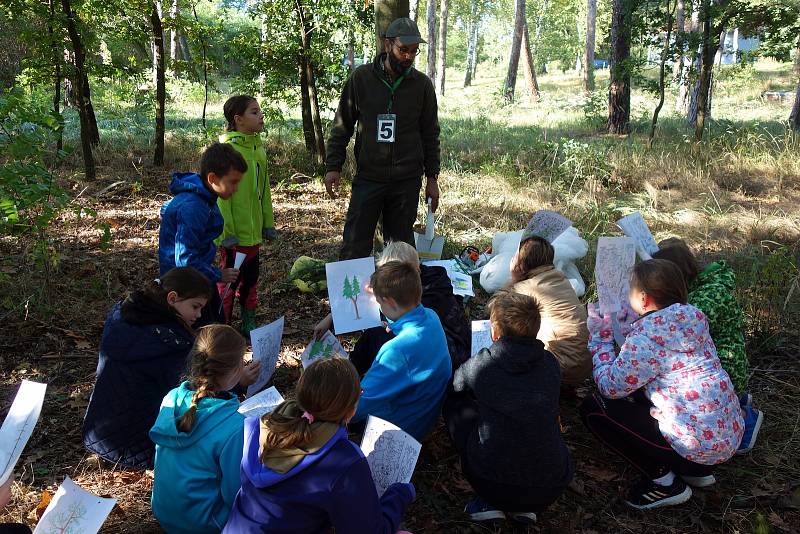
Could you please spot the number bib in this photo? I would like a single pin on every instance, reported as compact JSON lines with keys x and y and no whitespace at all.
{"x":386,"y":126}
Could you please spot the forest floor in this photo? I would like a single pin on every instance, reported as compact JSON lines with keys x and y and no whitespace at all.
{"x":735,"y":198}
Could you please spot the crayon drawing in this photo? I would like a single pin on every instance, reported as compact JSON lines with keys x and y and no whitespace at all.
{"x":636,"y":228}
{"x":353,"y":307}
{"x":481,"y":336}
{"x":326,"y":346}
{"x":266,"y":341}
{"x":547,"y":225}
{"x":74,"y":510}
{"x":615,"y":259}
{"x":391,"y":453}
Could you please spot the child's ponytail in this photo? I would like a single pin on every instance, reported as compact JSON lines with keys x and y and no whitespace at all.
{"x":217,"y":352}
{"x":327,"y":392}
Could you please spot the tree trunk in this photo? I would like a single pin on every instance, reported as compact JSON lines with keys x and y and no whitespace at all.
{"x":412,"y":9}
{"x":516,"y":46}
{"x":204,"y":48}
{"x":709,"y":46}
{"x":430,"y":67}
{"x":472,"y":45}
{"x":173,"y":33}
{"x":588,"y":55}
{"x":528,"y":66}
{"x":56,"y":72}
{"x":619,"y":91}
{"x":794,"y":117}
{"x":680,"y":40}
{"x":312,"y":123}
{"x":161,"y":90}
{"x":441,"y":68}
{"x":662,"y":68}
{"x":387,"y":11}
{"x":84,"y":101}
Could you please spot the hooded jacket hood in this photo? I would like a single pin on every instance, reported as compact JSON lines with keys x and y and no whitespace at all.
{"x":262,"y":476}
{"x":718,"y":272}
{"x":191,"y":182}
{"x":211,"y":414}
{"x":140,"y":309}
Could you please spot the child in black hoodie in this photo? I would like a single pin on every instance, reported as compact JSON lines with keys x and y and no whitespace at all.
{"x":503,"y":417}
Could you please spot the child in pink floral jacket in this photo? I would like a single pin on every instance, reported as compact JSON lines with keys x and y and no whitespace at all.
{"x":665,"y":404}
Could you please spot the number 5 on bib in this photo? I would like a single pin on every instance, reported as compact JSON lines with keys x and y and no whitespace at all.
{"x":387,"y":123}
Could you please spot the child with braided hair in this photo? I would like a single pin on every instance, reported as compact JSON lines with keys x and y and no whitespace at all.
{"x":300,"y":473}
{"x":198,"y":437}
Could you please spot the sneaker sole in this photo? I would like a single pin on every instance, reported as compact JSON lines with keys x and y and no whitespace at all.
{"x":669,"y":501}
{"x":700,"y":482}
{"x":487,"y":516}
{"x":524,"y":519}
{"x":753,"y":436}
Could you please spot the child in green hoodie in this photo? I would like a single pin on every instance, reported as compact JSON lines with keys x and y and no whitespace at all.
{"x":199,"y":438}
{"x":248,"y":213}
{"x":711,"y":290}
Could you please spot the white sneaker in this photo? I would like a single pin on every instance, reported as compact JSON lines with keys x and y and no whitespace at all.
{"x":700,"y":482}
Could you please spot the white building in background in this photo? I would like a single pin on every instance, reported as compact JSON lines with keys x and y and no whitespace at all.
{"x":733,"y":45}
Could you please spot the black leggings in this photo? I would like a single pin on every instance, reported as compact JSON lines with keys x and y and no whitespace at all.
{"x":626,"y":427}
{"x":461,"y":415}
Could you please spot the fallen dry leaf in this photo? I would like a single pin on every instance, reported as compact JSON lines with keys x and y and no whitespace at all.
{"x":44,"y":502}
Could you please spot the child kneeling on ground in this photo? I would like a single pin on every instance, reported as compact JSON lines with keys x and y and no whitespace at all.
{"x":503,"y":417}
{"x":300,"y":473}
{"x":406,"y":383}
{"x":563,"y":318}
{"x":711,"y":291}
{"x":665,"y":403}
{"x":199,"y":438}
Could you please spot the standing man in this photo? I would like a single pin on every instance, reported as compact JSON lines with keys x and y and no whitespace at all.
{"x":397,"y":141}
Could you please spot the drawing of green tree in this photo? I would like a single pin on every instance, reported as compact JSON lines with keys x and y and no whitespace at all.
{"x":319,"y":350}
{"x":67,"y":521}
{"x":351,"y":290}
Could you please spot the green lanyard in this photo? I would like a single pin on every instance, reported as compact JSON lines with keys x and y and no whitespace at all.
{"x":393,"y":89}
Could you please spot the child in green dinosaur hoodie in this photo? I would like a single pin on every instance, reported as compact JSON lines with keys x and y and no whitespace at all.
{"x":711,"y":290}
{"x":248,"y":213}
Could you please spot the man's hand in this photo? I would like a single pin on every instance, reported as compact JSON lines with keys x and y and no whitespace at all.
{"x":432,"y":192}
{"x":332,"y":182}
{"x":229,"y":276}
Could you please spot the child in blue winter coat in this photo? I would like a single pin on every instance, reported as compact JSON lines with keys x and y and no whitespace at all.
{"x":191,"y":220}
{"x":198,"y":437}
{"x":146,"y":340}
{"x":300,"y":473}
{"x":406,"y":383}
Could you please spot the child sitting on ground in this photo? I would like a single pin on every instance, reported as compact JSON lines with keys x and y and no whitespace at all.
{"x":665,"y":404}
{"x":146,"y":340}
{"x":503,"y":417}
{"x":711,"y":291}
{"x":199,"y":438}
{"x":191,"y":220}
{"x":437,"y":294}
{"x":563,"y":318}
{"x":406,"y":383}
{"x":300,"y":473}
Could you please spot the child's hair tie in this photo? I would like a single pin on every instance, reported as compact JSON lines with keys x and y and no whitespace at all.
{"x":308,"y":417}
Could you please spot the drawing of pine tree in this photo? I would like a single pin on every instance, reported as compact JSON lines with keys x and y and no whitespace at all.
{"x":351,"y":290}
{"x":67,"y":521}
{"x":319,"y":350}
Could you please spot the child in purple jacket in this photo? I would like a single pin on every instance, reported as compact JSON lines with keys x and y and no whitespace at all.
{"x":300,"y":473}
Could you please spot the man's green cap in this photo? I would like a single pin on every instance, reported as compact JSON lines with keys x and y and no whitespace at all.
{"x":405,"y":30}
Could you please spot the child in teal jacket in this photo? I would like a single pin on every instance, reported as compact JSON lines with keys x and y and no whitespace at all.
{"x":248,"y":213}
{"x":199,"y":439}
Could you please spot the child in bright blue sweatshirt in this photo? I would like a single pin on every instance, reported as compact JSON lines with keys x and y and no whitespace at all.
{"x":199,"y":438}
{"x":300,"y":473}
{"x":406,"y":383}
{"x":191,"y":220}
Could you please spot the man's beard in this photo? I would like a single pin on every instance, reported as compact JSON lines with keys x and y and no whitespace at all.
{"x":399,"y":66}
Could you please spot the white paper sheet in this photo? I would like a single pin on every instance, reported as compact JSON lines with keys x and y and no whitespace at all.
{"x":612,"y":271}
{"x":636,"y":228}
{"x":391,"y":453}
{"x":18,"y":425}
{"x":352,"y":306}
{"x":266,"y":341}
{"x":74,"y":510}
{"x":462,"y":283}
{"x":481,"y":336}
{"x":546,"y":224}
{"x":326,"y":346}
{"x":238,"y":260}
{"x":261,"y":403}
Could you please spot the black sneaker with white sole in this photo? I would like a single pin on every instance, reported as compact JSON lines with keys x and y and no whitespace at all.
{"x":647,"y":494}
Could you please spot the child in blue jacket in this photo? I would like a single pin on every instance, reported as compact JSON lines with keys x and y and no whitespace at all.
{"x":198,"y":437}
{"x":300,"y":473}
{"x":191,"y":220}
{"x":143,"y":352}
{"x":406,"y":383}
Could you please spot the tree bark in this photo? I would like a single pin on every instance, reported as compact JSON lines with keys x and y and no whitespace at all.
{"x":204,"y":48}
{"x":84,"y":99}
{"x":312,"y":122}
{"x":472,"y":45}
{"x":412,"y":9}
{"x":680,"y":39}
{"x":56,"y":71}
{"x":528,"y":66}
{"x":430,"y":67}
{"x":662,"y":68}
{"x":173,"y":33}
{"x":387,"y":11}
{"x":441,"y":69}
{"x":710,"y":44}
{"x":161,"y":89}
{"x":794,"y":117}
{"x":588,"y":55}
{"x":619,"y":91}
{"x":516,"y":46}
